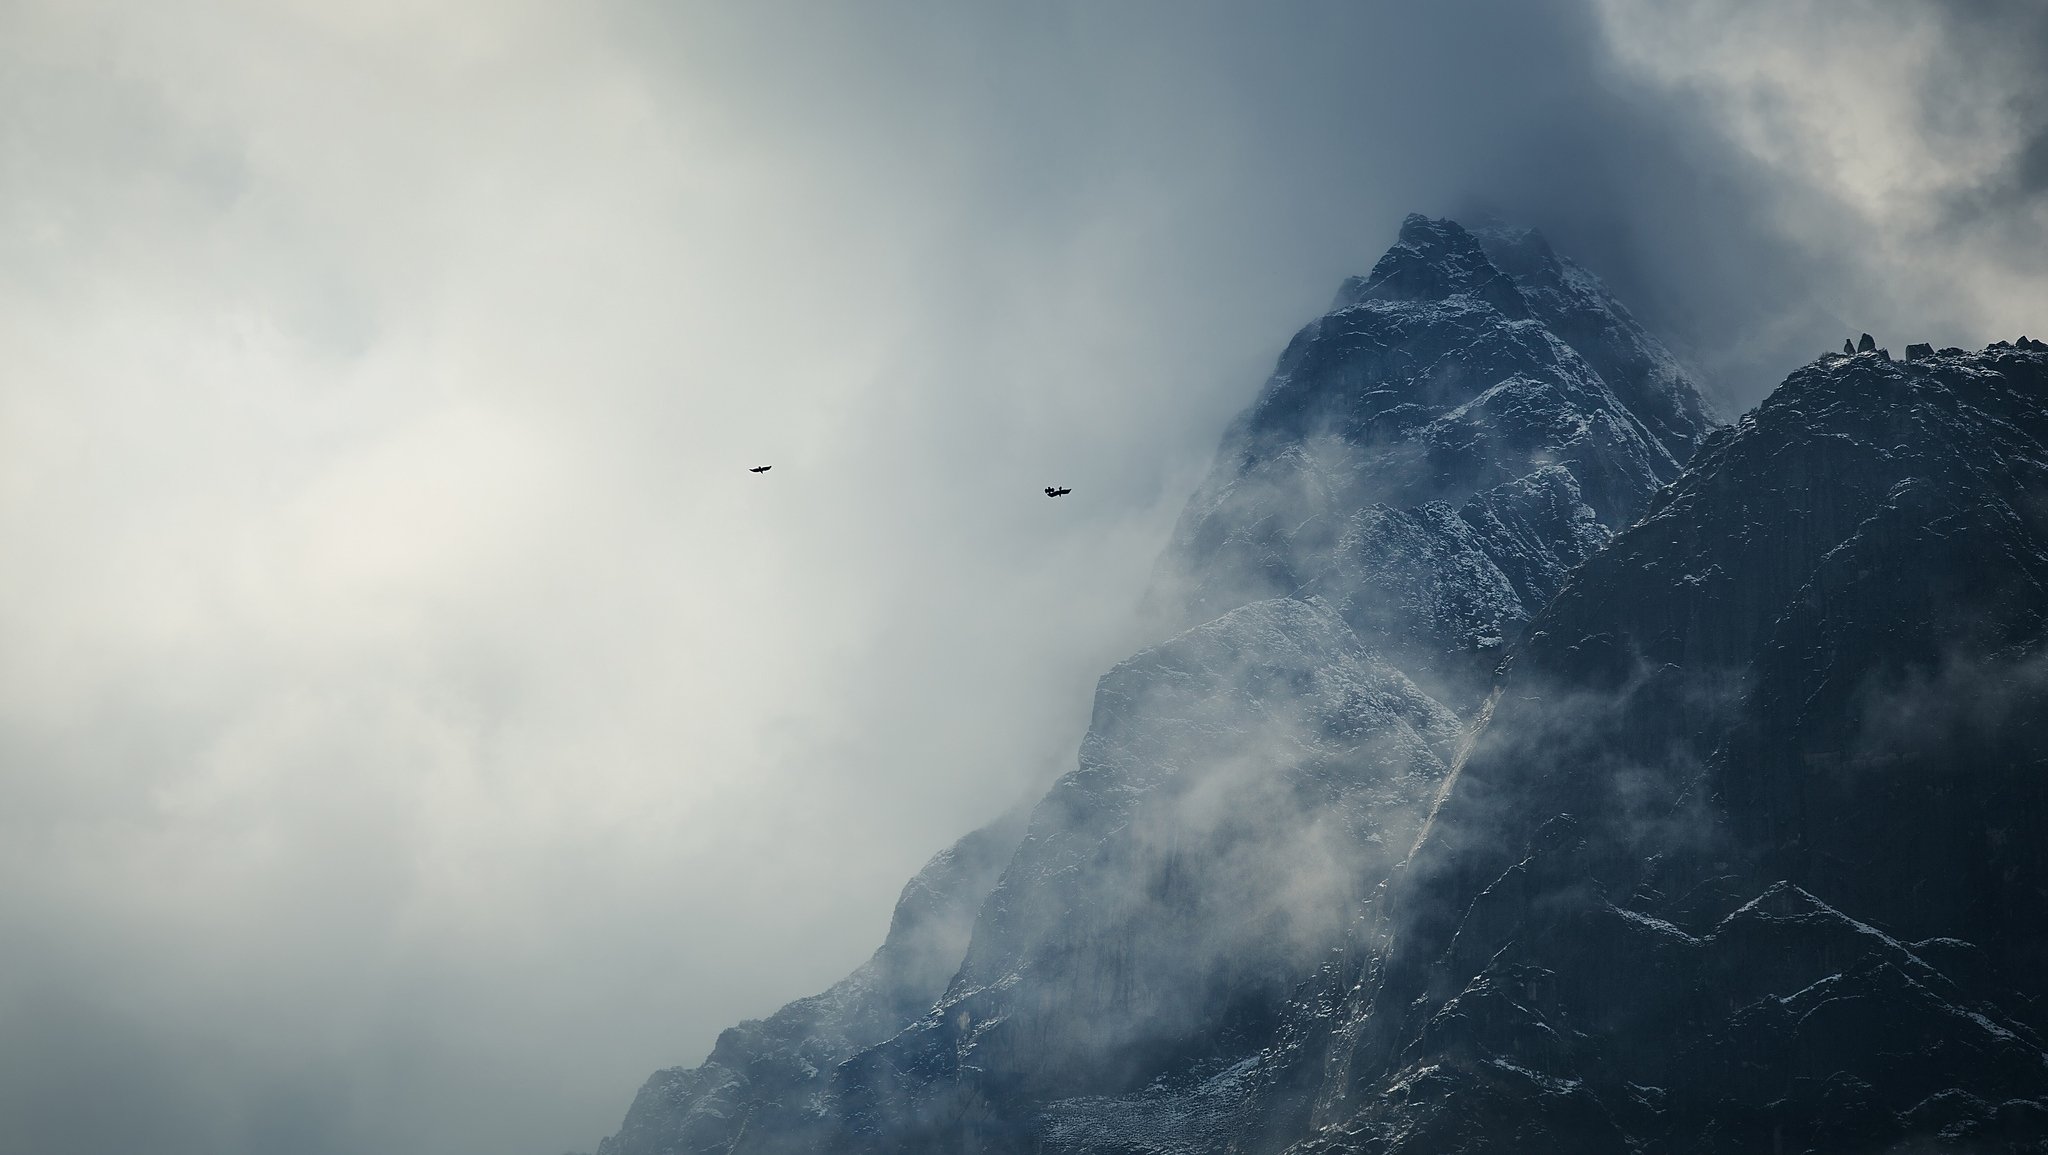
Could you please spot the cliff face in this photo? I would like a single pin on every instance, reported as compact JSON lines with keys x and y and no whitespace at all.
{"x":1449,"y":820}
{"x":1749,"y":853}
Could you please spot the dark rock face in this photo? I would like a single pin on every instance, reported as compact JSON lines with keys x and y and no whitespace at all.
{"x":1865,"y":343}
{"x":1748,"y":855}
{"x":1456,"y":822}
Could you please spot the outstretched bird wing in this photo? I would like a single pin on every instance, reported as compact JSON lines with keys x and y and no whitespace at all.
{"x":760,"y":469}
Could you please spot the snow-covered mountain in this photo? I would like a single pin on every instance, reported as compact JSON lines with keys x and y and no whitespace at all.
{"x":1446,"y":819}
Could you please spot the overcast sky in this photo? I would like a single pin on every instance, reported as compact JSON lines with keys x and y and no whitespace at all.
{"x":416,"y":726}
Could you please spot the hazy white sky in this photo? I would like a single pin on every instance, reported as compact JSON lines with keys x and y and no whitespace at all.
{"x":415,"y":724}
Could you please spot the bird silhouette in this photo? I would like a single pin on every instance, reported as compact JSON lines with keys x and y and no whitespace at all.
{"x":760,"y":469}
{"x":1059,"y":491}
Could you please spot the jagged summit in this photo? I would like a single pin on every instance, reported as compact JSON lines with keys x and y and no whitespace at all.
{"x":1574,"y":304}
{"x":1518,"y":273}
{"x":1434,"y":260}
{"x":1444,"y":394}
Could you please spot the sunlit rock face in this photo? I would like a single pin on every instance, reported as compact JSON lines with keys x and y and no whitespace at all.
{"x":1531,"y":768}
{"x":1750,"y":853}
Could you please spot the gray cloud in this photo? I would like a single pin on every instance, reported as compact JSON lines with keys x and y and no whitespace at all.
{"x":415,"y":726}
{"x":1890,"y":140}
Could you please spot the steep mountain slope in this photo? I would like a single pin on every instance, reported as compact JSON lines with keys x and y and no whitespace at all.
{"x":1748,"y":855}
{"x":1427,"y":464}
{"x":1572,"y":303}
{"x":1237,"y":787}
{"x":1432,"y":456}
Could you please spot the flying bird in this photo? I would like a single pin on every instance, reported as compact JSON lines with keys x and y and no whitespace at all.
{"x":1059,"y":491}
{"x":760,"y":469}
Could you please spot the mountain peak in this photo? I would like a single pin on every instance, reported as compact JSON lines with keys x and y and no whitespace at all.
{"x":1514,"y":270}
{"x":1432,"y":260}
